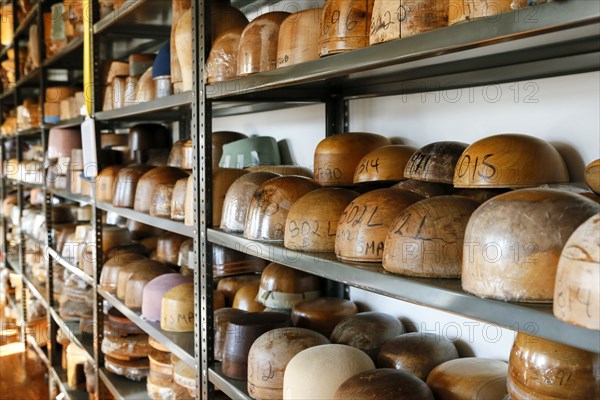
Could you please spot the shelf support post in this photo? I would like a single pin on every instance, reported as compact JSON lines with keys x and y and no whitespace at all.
{"x":201,"y":137}
{"x":336,"y":114}
{"x":337,"y":120}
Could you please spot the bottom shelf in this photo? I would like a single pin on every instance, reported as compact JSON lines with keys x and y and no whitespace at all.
{"x":235,"y":389}
{"x":122,"y":388}
{"x":59,"y":376}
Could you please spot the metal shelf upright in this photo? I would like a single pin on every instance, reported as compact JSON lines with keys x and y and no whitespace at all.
{"x":554,"y":39}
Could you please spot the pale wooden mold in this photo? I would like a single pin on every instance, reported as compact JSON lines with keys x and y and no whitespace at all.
{"x":435,"y":162}
{"x":237,"y":199}
{"x":384,"y":384}
{"x":299,"y":37}
{"x":257,"y":50}
{"x":592,"y":176}
{"x":510,"y":161}
{"x":311,"y":224}
{"x":341,"y":362}
{"x":426,"y":239}
{"x":465,"y":10}
{"x":515,"y":259}
{"x":269,"y":356}
{"x":469,"y":378}
{"x":270,"y":206}
{"x":416,"y":352}
{"x":337,"y":156}
{"x":177,"y":309}
{"x":345,"y":26}
{"x":384,"y":164}
{"x":364,"y":224}
{"x":577,"y":290}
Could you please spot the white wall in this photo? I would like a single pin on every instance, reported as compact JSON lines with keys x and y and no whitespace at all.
{"x":562,"y":110}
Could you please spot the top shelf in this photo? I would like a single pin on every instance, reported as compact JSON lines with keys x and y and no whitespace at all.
{"x":137,"y":18}
{"x":557,"y":38}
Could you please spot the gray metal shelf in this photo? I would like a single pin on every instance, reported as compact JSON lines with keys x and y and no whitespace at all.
{"x":68,"y":123}
{"x":68,"y":57}
{"x":253,"y":7}
{"x":162,"y":223}
{"x":235,"y":389}
{"x":7,"y":94}
{"x":29,"y":236}
{"x":72,"y":330}
{"x":59,"y":376}
{"x":13,"y":263}
{"x":24,"y":25}
{"x":71,"y":196}
{"x":180,"y":344}
{"x":4,"y":50}
{"x":31,"y":79}
{"x":38,"y":350}
{"x":550,"y":39}
{"x":442,"y":294}
{"x":122,"y":388}
{"x":227,"y":108}
{"x":137,"y":18}
{"x":27,"y":184}
{"x":165,"y":108}
{"x":35,"y":290}
{"x":35,"y":131}
{"x":70,"y":267}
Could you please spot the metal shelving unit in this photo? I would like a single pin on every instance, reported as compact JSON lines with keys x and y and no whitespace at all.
{"x":553,"y":39}
{"x":180,"y":344}
{"x":138,"y":26}
{"x":33,"y":84}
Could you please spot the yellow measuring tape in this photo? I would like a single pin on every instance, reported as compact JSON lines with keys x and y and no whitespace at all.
{"x":88,"y":63}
